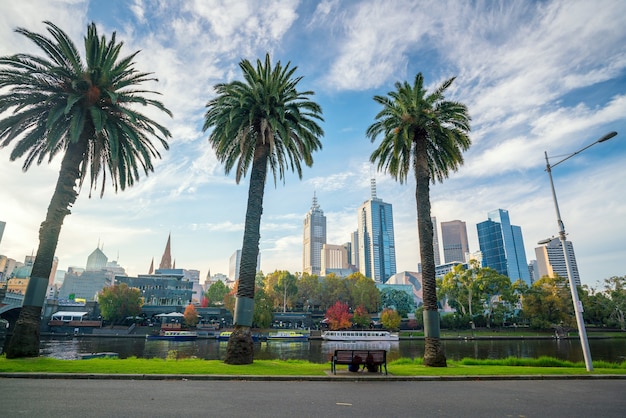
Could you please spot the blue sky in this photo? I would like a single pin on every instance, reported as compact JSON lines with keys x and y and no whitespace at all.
{"x":536,"y":76}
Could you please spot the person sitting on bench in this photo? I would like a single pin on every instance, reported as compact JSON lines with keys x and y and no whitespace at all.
{"x":356,"y":364}
{"x":369,"y":363}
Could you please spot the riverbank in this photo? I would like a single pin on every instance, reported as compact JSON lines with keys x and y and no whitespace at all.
{"x":465,"y":334}
{"x":403,"y":369}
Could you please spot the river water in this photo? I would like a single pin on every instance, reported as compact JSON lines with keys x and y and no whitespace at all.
{"x":318,"y":351}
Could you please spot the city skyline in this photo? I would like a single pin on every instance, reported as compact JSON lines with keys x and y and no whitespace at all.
{"x":536,"y":76}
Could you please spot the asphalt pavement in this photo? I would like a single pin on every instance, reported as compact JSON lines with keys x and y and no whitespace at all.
{"x":176,"y":396}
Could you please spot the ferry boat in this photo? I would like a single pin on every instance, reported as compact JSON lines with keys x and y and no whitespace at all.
{"x":360,"y":335}
{"x":174,"y":336}
{"x":225,"y":335}
{"x":287,"y":336}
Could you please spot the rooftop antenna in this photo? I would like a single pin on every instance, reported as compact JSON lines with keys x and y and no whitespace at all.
{"x":315,"y":205}
{"x":373,"y":188}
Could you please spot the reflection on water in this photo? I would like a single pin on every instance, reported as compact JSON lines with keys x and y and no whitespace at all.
{"x":317,"y":351}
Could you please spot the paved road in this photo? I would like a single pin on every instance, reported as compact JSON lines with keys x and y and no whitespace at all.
{"x":191,"y":398}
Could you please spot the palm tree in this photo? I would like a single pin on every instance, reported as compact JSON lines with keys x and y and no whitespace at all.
{"x":427,"y":133}
{"x":266,"y":122}
{"x":56,"y":104}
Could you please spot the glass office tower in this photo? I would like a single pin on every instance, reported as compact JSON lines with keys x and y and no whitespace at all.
{"x":502,"y":246}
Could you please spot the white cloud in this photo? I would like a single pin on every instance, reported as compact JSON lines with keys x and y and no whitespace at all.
{"x":371,"y":53}
{"x":536,"y":76}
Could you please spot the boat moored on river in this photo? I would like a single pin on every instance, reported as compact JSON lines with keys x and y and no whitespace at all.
{"x":360,"y":335}
{"x":287,"y":336}
{"x":225,"y":335}
{"x":174,"y":336}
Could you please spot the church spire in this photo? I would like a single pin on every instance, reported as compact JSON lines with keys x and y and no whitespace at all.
{"x":151,"y":266}
{"x":166,"y":260}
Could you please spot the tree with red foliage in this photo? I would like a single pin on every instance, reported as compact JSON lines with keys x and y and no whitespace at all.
{"x":361,"y":318}
{"x":191,"y":316}
{"x":229,"y":298}
{"x":339,"y":316}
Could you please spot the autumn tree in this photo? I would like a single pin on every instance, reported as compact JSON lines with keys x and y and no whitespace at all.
{"x":285,"y":289}
{"x":229,"y":298}
{"x":119,"y":301}
{"x":361,"y":317}
{"x":390,"y":318}
{"x":339,"y":316}
{"x":332,"y":290}
{"x":191,"y":316}
{"x":363,"y":292}
{"x":309,"y":291}
{"x":548,"y":303}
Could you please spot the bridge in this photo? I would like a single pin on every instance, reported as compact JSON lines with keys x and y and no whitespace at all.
{"x":10,"y":307}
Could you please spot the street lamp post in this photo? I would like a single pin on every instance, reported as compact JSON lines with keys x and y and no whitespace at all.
{"x":578,"y":308}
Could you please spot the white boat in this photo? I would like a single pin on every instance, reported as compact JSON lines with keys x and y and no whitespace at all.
{"x":360,"y":335}
{"x":174,"y":336}
{"x":288,"y":336}
{"x":329,"y":347}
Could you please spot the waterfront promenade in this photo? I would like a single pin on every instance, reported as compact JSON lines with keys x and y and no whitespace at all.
{"x":181,"y":397}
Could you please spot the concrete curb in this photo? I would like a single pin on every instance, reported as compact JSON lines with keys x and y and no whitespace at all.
{"x":329,"y":377}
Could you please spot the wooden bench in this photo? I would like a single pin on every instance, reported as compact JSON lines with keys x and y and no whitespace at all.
{"x":374,"y":360}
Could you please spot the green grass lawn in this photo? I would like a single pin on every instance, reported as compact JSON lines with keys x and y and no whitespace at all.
{"x":401,"y":367}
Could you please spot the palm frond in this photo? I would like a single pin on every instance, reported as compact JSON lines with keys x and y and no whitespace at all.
{"x":56,"y":99}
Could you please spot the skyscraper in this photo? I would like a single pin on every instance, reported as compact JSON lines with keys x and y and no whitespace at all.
{"x":314,"y":238}
{"x":2,"y":225}
{"x":354,"y":248}
{"x":502,"y":246}
{"x":435,"y":242}
{"x":454,"y":237}
{"x":97,"y":260}
{"x":235,"y":261}
{"x":377,"y":248}
{"x":233,"y":265}
{"x":551,"y":260}
{"x":334,"y":257}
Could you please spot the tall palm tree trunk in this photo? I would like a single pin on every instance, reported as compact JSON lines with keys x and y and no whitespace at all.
{"x":433,"y":351}
{"x":240,"y":349}
{"x":26,"y":336}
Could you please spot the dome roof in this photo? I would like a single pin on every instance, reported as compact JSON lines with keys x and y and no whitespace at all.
{"x":22,"y":272}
